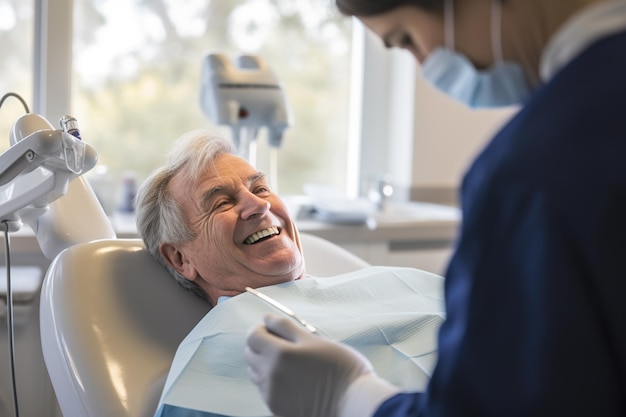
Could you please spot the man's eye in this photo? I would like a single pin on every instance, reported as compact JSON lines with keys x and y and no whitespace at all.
{"x":262,"y":190}
{"x":220,"y":204}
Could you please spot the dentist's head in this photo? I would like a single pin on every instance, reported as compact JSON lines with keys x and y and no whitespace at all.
{"x":213,"y":221}
{"x":485,"y":53}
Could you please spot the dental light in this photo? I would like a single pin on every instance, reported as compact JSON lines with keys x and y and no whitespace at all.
{"x":37,"y":168}
{"x":36,"y":171}
{"x":245,"y":95}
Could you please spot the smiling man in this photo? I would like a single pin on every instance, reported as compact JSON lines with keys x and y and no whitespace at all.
{"x":213,"y":221}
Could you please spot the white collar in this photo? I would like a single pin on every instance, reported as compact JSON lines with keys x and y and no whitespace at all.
{"x":579,"y":32}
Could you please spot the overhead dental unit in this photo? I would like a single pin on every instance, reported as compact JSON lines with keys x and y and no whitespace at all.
{"x":246,"y":95}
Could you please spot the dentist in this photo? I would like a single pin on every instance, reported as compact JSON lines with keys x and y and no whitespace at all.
{"x":535,"y":290}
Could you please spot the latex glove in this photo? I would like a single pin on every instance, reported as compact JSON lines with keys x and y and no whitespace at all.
{"x":301,"y":374}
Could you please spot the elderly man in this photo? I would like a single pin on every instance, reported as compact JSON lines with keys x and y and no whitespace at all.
{"x":212,"y":220}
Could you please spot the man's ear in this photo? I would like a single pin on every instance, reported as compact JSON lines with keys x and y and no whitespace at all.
{"x":177,"y":260}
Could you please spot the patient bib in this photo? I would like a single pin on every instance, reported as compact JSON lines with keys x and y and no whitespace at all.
{"x":390,"y":315}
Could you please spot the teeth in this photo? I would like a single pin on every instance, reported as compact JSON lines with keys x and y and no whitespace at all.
{"x":255,"y":237}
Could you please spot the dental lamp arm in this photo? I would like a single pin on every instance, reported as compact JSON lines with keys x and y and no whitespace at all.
{"x":301,"y":374}
{"x":39,"y":185}
{"x":74,"y":218}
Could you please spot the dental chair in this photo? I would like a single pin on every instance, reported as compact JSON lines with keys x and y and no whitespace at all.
{"x":112,"y":319}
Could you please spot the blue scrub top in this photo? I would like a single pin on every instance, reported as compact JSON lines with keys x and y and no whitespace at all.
{"x":536,"y":290}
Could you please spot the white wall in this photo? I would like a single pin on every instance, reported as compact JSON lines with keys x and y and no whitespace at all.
{"x":447,"y":135}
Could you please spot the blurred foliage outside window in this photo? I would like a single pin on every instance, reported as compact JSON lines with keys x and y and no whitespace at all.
{"x":17,"y":34}
{"x":136,"y":79}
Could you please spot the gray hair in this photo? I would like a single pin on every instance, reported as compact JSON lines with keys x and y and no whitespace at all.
{"x":159,"y":217}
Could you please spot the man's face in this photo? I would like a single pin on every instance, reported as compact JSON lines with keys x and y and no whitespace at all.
{"x":244,"y":235}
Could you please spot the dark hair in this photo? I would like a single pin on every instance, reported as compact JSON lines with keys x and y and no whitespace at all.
{"x":375,"y":7}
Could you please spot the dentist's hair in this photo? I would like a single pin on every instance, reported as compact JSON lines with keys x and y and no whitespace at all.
{"x":368,"y":8}
{"x":159,"y":217}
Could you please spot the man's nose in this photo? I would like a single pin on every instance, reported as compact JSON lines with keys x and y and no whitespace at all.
{"x":253,"y":206}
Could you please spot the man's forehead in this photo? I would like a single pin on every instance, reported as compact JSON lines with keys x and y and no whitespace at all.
{"x":226,"y":172}
{"x":230,"y":176}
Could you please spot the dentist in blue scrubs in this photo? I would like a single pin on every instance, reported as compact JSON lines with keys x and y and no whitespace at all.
{"x":536,"y":289}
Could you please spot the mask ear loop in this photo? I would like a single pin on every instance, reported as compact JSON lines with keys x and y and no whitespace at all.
{"x":448,"y":24}
{"x":496,"y":31}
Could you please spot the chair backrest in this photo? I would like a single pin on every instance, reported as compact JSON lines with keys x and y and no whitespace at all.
{"x":112,"y":319}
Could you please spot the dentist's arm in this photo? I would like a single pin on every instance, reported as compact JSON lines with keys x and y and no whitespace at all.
{"x":301,"y":374}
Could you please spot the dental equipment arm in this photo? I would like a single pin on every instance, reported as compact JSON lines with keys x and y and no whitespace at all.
{"x":35,"y":172}
{"x":301,"y":374}
{"x":246,"y":96}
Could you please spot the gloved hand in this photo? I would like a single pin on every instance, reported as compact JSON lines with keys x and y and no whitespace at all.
{"x":301,"y":374}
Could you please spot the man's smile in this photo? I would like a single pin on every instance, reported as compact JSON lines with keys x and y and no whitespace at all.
{"x":262,"y":235}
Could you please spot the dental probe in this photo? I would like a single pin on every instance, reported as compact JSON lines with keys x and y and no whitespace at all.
{"x":282,"y":308}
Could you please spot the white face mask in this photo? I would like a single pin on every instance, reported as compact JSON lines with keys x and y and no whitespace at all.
{"x":503,"y":84}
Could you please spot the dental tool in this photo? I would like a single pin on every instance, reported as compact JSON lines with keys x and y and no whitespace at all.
{"x":70,"y":125}
{"x":283,"y":309}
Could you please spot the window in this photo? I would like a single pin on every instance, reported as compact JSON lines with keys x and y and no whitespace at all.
{"x":136,"y":78}
{"x":16,"y":60}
